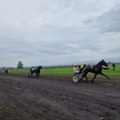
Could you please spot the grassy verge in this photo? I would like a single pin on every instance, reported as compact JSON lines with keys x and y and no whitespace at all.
{"x":66,"y":70}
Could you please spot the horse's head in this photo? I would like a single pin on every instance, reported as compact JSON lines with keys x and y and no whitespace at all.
{"x":104,"y":63}
{"x":40,"y":67}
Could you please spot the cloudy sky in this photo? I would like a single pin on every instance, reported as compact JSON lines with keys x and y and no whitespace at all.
{"x":53,"y":32}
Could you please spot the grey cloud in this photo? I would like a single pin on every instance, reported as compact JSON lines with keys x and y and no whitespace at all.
{"x":55,"y":31}
{"x":110,"y":21}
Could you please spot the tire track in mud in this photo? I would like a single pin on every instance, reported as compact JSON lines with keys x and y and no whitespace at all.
{"x":54,"y":99}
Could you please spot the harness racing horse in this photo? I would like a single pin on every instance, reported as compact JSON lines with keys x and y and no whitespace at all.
{"x":96,"y":69}
{"x":35,"y":70}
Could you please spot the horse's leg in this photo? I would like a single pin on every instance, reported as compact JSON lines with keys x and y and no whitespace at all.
{"x":36,"y":75}
{"x":84,"y":76}
{"x":105,"y":76}
{"x":31,"y":74}
{"x":93,"y":78}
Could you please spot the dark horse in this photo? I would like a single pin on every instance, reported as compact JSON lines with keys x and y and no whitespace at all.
{"x":35,"y":70}
{"x":96,"y":69}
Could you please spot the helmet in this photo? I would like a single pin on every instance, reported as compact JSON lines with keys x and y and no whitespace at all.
{"x":75,"y":65}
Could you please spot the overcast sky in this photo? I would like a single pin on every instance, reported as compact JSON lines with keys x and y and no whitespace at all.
{"x":53,"y":32}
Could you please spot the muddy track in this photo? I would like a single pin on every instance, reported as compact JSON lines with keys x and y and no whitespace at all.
{"x":58,"y":98}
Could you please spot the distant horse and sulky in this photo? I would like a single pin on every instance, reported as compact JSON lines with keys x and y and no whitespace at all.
{"x":35,"y":72}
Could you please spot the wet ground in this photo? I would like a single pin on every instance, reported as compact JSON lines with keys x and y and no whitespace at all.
{"x":55,"y":97}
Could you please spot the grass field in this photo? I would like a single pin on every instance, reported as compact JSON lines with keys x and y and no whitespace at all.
{"x":66,"y":70}
{"x":110,"y":72}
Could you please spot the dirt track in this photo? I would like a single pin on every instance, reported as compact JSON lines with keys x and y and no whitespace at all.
{"x":57,"y":98}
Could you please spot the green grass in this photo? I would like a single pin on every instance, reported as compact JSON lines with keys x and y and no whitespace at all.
{"x":110,"y":72}
{"x":58,"y":70}
{"x":44,"y":71}
{"x":19,"y":71}
{"x":67,"y":70}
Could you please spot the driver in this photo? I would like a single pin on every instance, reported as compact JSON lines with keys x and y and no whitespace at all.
{"x":76,"y":68}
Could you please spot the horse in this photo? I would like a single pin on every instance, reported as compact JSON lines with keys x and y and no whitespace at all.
{"x":35,"y":70}
{"x":96,"y":69}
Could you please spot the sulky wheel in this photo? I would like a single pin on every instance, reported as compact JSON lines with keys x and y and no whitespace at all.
{"x":75,"y":78}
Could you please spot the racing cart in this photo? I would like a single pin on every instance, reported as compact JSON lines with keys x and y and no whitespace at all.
{"x":77,"y":76}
